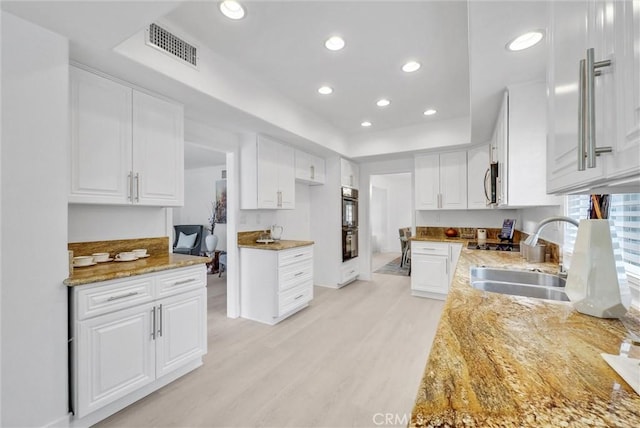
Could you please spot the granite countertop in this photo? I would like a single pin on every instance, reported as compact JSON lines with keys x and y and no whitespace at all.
{"x":113,"y":269}
{"x":248,"y":240}
{"x":283,"y":244}
{"x":509,"y":361}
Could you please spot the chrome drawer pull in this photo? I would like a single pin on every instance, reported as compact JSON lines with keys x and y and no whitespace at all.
{"x":122,"y":296}
{"x":299,"y":255}
{"x":160,"y":327}
{"x":153,"y":323}
{"x":299,"y":273}
{"x":186,"y":281}
{"x":302,"y":295}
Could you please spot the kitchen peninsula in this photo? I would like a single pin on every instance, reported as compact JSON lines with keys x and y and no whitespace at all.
{"x":500,"y":360}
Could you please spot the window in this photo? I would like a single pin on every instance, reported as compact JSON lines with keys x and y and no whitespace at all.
{"x":624,"y":213}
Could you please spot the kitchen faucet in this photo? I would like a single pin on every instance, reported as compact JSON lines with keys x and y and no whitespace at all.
{"x":533,"y":239}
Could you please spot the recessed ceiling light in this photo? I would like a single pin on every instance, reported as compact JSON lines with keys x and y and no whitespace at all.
{"x":365,"y":124}
{"x":232,"y":9}
{"x":334,"y":43}
{"x":430,"y":112}
{"x":325,"y":90}
{"x":525,"y":41}
{"x":410,"y":66}
{"x":383,"y":102}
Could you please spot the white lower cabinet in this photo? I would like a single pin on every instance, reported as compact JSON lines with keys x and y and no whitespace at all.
{"x":349,"y":272}
{"x":127,"y":340}
{"x":275,"y":284}
{"x":432,"y":266}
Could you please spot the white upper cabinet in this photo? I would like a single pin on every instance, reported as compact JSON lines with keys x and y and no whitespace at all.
{"x":100,"y":139}
{"x":519,"y":147}
{"x":127,"y":147}
{"x":441,"y":181}
{"x":158,"y":151}
{"x":267,"y":174}
{"x":310,"y":169}
{"x":349,"y":174}
{"x":609,"y":134}
{"x":478,"y":161}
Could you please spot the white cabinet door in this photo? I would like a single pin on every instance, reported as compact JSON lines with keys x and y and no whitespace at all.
{"x":310,"y":169}
{"x":478,"y":160}
{"x":115,"y":356}
{"x":441,"y":181}
{"x":100,"y":139}
{"x":611,"y":29}
{"x":181,"y":335}
{"x":627,"y":50}
{"x":286,"y":177}
{"x":430,"y":274}
{"x":349,"y":174}
{"x":268,"y":165}
{"x":453,"y":181}
{"x":427,"y":182}
{"x":158,"y":151}
{"x":501,"y":141}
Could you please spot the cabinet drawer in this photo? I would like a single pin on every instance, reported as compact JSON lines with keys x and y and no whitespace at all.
{"x":297,"y":296}
{"x":181,"y":280}
{"x":432,"y":248}
{"x":287,"y":257}
{"x":348,"y":271}
{"x":294,"y":274}
{"x":111,"y":296}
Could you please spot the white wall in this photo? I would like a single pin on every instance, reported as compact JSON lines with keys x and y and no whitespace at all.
{"x":106,"y":222}
{"x":379,"y":232}
{"x":397,"y":210}
{"x":296,"y":222}
{"x":199,"y":193}
{"x":530,"y":217}
{"x":35,"y":135}
{"x":467,"y":218}
{"x":436,"y":134}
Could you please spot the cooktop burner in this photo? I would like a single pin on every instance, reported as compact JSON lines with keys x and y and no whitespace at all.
{"x":504,"y":246}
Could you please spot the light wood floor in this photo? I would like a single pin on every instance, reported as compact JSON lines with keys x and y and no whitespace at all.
{"x":354,"y":353}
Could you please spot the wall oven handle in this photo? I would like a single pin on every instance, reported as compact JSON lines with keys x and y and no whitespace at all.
{"x":486,"y":178}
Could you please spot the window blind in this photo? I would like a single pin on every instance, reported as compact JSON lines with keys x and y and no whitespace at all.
{"x":624,"y":213}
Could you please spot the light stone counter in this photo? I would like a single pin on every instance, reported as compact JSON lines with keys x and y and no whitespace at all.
{"x":509,"y":361}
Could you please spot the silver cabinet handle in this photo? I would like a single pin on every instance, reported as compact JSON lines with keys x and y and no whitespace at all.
{"x":279,"y":199}
{"x":590,"y":105}
{"x":137,"y":187}
{"x":122,"y":296}
{"x":299,"y":273}
{"x":130,"y":185}
{"x":351,"y":180}
{"x":446,"y":267}
{"x":160,"y":323}
{"x":313,"y":172}
{"x":186,"y":281}
{"x":153,"y":323}
{"x":300,"y":296}
{"x":582,"y":146}
{"x":299,"y":255}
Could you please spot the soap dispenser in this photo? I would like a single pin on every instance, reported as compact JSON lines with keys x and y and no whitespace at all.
{"x":596,"y":284}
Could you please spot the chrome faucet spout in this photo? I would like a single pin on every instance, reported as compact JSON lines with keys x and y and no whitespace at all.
{"x":533,"y":239}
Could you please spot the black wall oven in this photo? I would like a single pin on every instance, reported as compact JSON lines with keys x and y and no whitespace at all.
{"x":349,"y":223}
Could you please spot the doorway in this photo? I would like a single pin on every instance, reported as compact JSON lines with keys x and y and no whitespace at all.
{"x":205,"y":184}
{"x":391,"y":210}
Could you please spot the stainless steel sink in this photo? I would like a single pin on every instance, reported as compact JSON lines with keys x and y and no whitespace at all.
{"x":519,"y":283}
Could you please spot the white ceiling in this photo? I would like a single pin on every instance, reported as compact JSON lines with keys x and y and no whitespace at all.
{"x":460,"y":44}
{"x":283,"y":43}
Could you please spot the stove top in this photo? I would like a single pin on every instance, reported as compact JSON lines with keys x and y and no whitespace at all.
{"x":504,"y":246}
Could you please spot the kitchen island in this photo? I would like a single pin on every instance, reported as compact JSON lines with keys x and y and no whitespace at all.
{"x":500,"y":360}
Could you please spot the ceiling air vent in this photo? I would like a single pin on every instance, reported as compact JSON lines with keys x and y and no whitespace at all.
{"x":162,"y":39}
